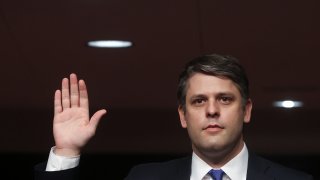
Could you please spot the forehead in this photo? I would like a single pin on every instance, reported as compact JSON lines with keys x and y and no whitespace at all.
{"x":200,"y":83}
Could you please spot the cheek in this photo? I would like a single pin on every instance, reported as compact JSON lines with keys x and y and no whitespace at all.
{"x":194,"y":116}
{"x":233,"y":118}
{"x":193,"y":123}
{"x":236,"y":126}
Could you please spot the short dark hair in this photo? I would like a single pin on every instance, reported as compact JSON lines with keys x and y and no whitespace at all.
{"x":215,"y":65}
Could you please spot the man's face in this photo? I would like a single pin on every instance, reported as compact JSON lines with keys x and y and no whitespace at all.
{"x":214,"y":114}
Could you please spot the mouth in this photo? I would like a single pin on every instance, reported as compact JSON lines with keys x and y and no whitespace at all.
{"x":213,"y":128}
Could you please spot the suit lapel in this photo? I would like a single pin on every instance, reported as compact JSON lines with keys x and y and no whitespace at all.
{"x":257,"y":168}
{"x":183,"y":170}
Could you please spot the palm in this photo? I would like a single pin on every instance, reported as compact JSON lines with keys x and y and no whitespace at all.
{"x":72,"y":127}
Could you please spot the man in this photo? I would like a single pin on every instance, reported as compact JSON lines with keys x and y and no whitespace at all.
{"x":214,"y":103}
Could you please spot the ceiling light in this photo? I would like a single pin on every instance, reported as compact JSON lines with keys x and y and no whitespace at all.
{"x":109,"y":44}
{"x":288,"y":104}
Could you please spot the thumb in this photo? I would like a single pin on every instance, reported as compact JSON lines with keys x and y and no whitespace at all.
{"x":95,"y":119}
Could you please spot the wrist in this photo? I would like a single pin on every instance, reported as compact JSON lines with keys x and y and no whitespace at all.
{"x":66,"y":152}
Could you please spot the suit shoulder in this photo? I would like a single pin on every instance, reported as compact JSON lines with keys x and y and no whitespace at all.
{"x":277,"y":170}
{"x":160,"y":170}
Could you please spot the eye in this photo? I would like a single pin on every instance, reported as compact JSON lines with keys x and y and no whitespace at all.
{"x":198,"y":101}
{"x":225,"y":99}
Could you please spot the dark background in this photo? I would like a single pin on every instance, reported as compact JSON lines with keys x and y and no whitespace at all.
{"x":43,"y":41}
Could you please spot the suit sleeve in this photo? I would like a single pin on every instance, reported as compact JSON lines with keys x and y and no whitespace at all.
{"x":69,"y":174}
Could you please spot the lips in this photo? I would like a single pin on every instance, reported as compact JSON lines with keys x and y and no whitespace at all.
{"x":213,"y":128}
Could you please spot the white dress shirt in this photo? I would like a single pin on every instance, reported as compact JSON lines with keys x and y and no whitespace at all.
{"x":235,"y":169}
{"x":58,"y":163}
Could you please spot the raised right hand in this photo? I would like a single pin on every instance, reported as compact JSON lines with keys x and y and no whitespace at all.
{"x":72,"y":128}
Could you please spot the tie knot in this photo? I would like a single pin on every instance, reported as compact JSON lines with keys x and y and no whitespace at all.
{"x":216,"y":174}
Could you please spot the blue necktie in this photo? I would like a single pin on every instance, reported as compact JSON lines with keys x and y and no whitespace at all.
{"x":216,"y":174}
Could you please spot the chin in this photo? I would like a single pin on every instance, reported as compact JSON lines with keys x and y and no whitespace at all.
{"x":213,"y":147}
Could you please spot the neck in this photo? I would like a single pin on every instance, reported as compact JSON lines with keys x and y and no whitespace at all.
{"x":217,"y":159}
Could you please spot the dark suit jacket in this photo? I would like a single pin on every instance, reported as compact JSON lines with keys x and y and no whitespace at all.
{"x":258,"y":169}
{"x":180,"y":169}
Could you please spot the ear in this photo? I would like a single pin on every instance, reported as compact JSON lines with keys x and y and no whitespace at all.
{"x":182,"y":117}
{"x":247,"y":111}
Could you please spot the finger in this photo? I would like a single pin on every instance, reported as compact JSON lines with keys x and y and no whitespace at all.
{"x":84,"y":101}
{"x":95,"y":119}
{"x":74,"y":90}
{"x":65,"y":94}
{"x":57,"y":102}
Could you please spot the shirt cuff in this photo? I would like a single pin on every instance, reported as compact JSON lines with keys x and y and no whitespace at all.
{"x":58,"y":163}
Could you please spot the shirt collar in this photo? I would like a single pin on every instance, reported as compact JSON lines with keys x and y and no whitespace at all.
{"x":236,"y":168}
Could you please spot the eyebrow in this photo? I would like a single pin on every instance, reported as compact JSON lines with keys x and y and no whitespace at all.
{"x":227,"y":93}
{"x":196,"y":96}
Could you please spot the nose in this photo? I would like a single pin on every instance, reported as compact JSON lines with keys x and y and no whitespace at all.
{"x":212,"y":110}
